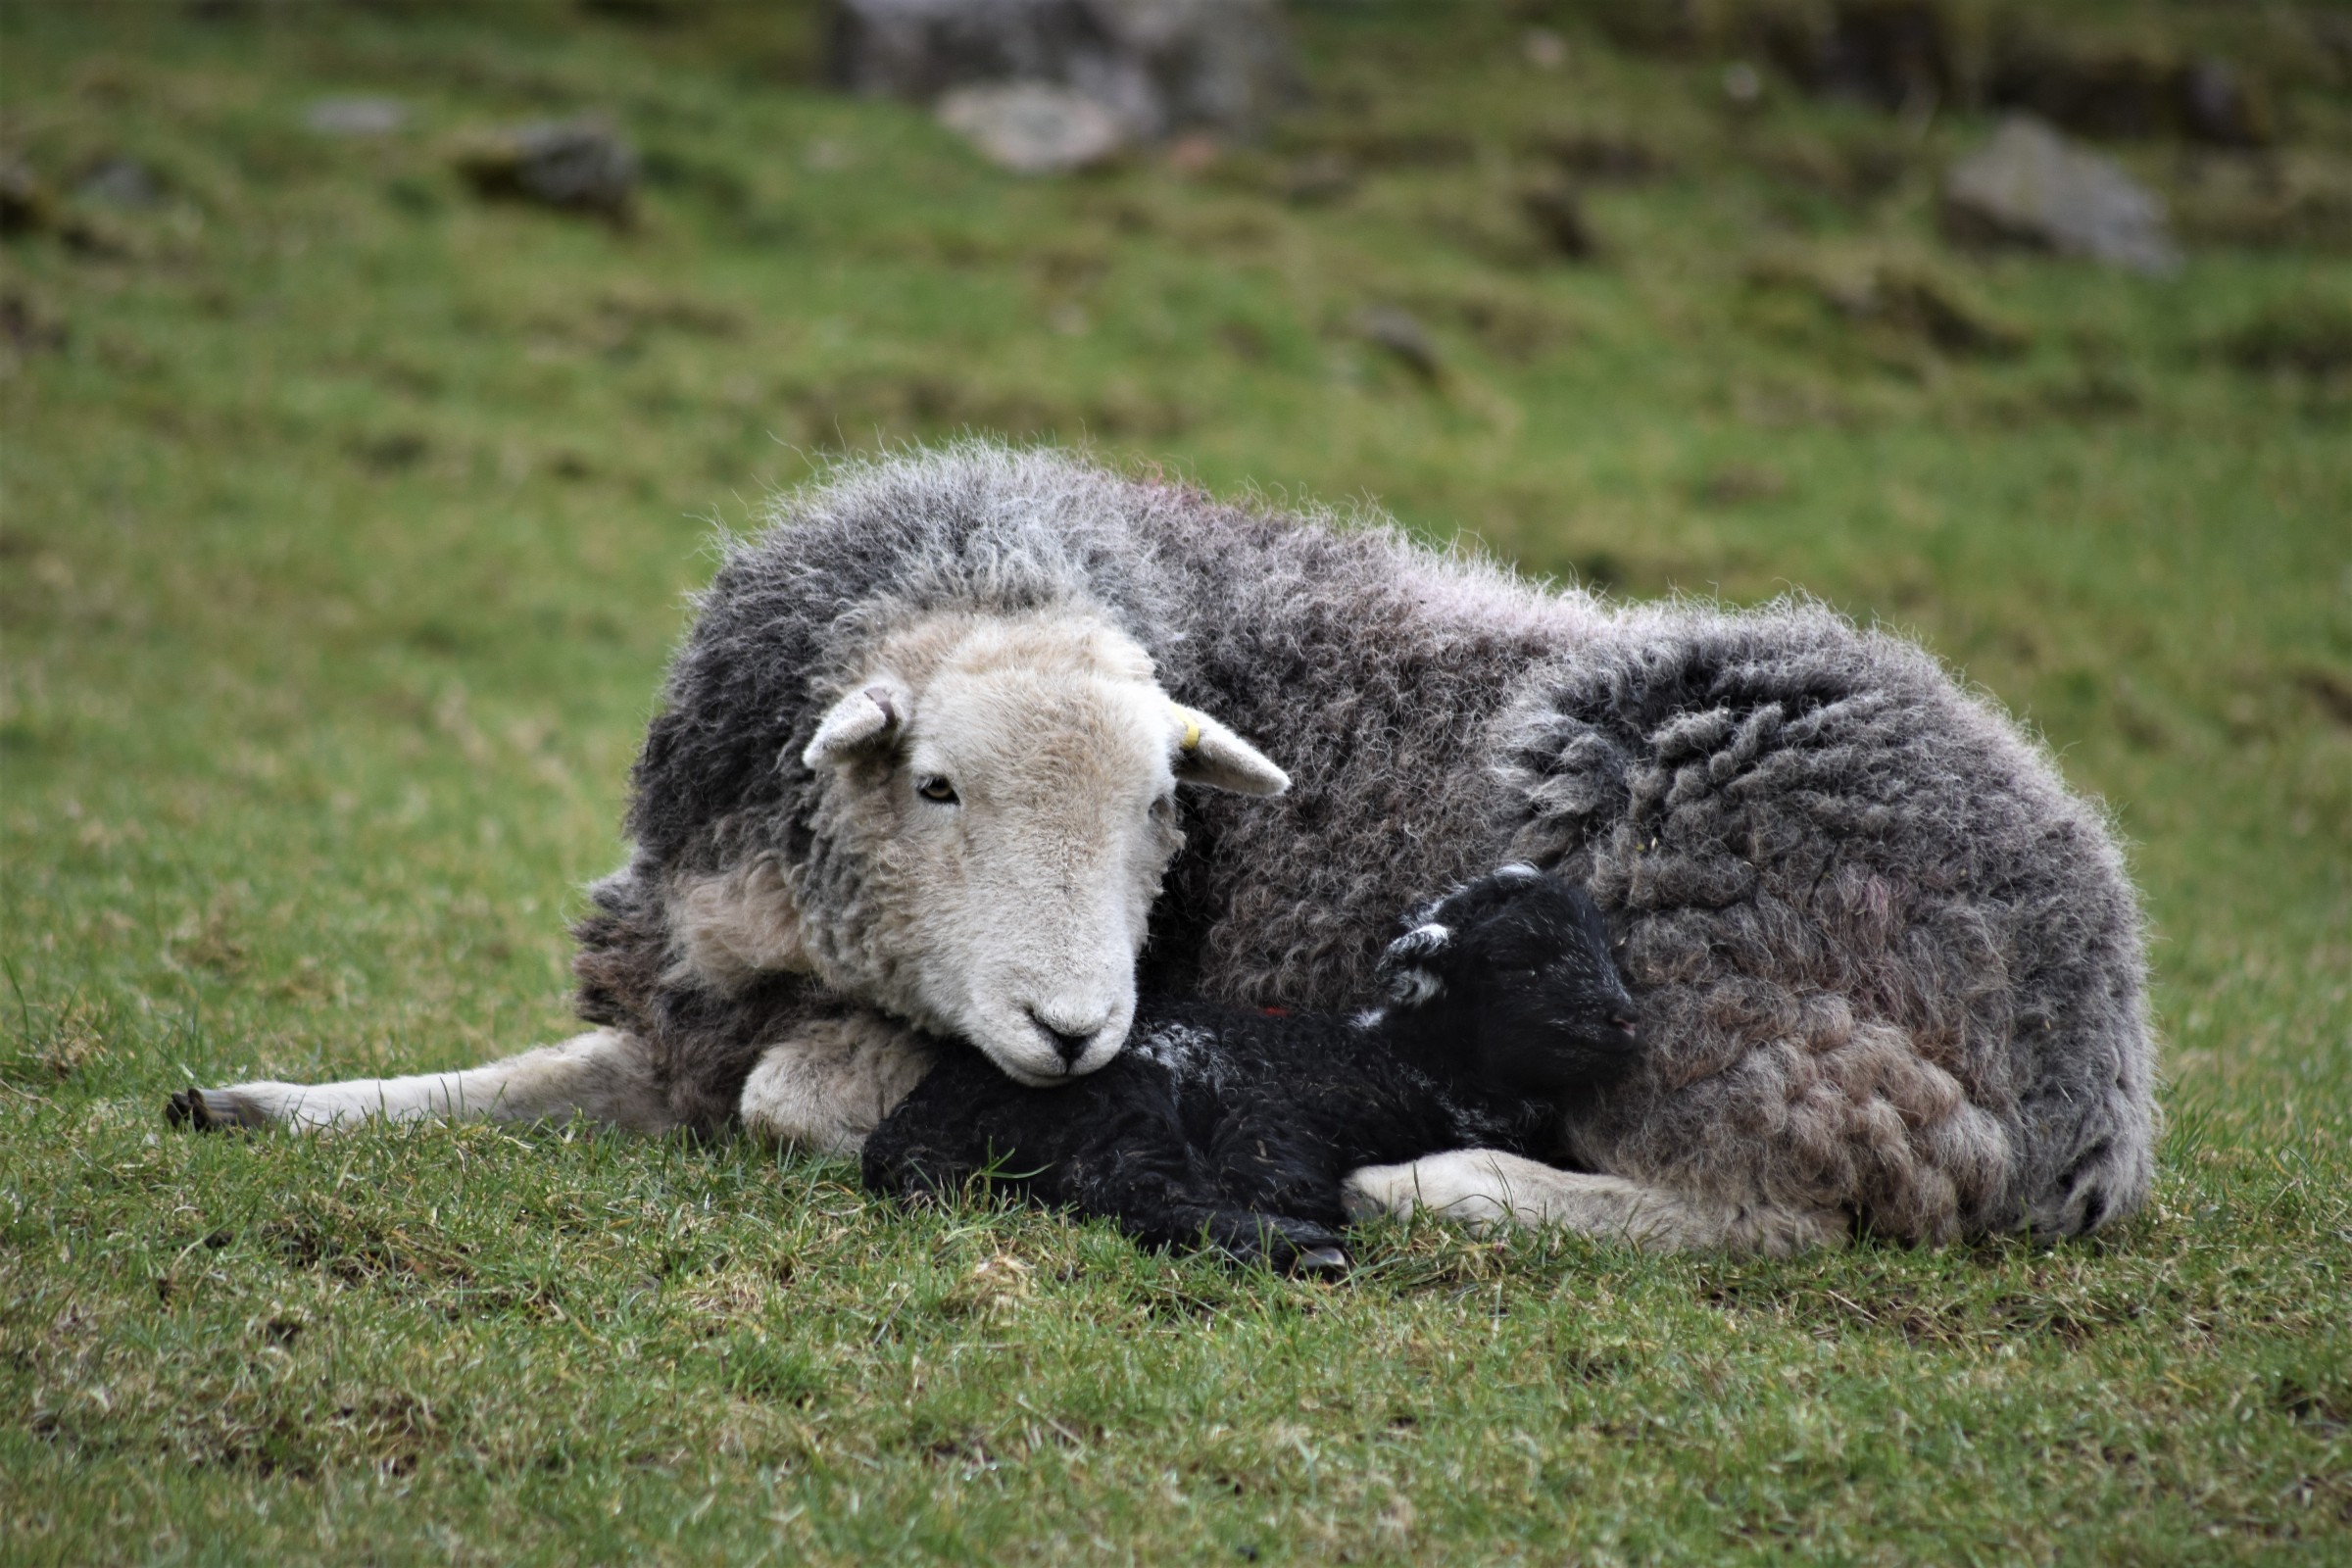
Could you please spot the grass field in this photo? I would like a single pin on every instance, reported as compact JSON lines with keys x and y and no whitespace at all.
{"x":344,"y":524}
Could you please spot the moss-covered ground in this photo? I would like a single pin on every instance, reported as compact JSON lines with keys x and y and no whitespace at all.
{"x":344,"y":524}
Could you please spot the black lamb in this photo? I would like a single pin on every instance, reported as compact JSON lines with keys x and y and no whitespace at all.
{"x":1233,"y":1128}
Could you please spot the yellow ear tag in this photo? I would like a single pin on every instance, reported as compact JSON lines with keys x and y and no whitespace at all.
{"x":1192,"y":733}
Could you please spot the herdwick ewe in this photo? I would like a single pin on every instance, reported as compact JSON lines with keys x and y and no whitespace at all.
{"x":1234,"y":1127}
{"x":914,"y":780}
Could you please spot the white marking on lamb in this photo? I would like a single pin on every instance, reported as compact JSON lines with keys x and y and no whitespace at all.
{"x":1182,"y":1049}
{"x":1414,"y":988}
{"x":1408,"y":984}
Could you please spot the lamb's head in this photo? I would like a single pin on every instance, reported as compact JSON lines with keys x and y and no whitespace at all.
{"x":997,"y":805}
{"x":1512,"y":977}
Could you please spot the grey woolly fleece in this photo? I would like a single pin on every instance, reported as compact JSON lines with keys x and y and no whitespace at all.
{"x":1888,"y":964}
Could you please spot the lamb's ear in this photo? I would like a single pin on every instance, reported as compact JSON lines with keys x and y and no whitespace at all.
{"x":866,"y":720}
{"x":1403,"y":969}
{"x":1208,"y":752}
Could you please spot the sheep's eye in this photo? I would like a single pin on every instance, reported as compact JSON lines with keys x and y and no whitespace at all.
{"x":931,"y":787}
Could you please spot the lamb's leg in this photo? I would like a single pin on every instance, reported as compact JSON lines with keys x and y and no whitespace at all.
{"x":1486,"y":1187}
{"x":602,"y":1075}
{"x":1163,"y":1202}
{"x":831,"y":1081}
{"x":1084,"y":1147}
{"x":1266,"y":1162}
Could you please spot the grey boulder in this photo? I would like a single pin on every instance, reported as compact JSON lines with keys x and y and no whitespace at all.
{"x":2030,"y":186}
{"x":578,"y":166}
{"x":356,"y":116}
{"x":1160,"y":67}
{"x":1032,"y":128}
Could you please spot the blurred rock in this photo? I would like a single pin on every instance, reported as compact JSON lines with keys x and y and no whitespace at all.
{"x":1161,"y":66}
{"x":1907,"y":55}
{"x":2029,"y":186}
{"x":26,"y":206}
{"x":356,"y":116}
{"x":1401,"y":333}
{"x":1033,"y":128}
{"x":1551,"y":206}
{"x":2218,"y":105}
{"x":2131,"y":92}
{"x":1742,"y":86}
{"x":2117,"y":93}
{"x":577,"y":165}
{"x":1917,"y":55}
{"x":122,"y":183}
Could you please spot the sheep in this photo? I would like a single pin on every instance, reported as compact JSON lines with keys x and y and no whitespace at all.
{"x":1889,"y":967}
{"x":1235,"y":1127}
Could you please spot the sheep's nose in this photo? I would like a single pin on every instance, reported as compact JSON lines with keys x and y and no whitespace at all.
{"x":1069,"y":1044}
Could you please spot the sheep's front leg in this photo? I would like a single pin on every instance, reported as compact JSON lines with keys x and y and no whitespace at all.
{"x":602,"y":1075}
{"x":828,"y":1084}
{"x":1487,"y":1189}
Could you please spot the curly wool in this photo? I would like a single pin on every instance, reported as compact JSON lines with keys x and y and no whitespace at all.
{"x":1889,"y":964}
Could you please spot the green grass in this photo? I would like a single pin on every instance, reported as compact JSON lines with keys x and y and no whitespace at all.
{"x":341,"y":540}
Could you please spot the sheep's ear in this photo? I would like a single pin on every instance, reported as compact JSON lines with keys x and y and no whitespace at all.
{"x":866,"y":720}
{"x":1208,"y":752}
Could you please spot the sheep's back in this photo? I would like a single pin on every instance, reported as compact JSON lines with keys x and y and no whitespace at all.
{"x":1886,"y":962}
{"x":1369,"y":668}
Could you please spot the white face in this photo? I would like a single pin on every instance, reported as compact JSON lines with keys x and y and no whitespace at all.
{"x":1034,"y":820}
{"x":1000,"y":834}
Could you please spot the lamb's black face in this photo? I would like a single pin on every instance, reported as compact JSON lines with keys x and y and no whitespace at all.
{"x":1514,"y":972}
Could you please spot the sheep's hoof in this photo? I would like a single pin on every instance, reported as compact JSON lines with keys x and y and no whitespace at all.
{"x":189,"y":1109}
